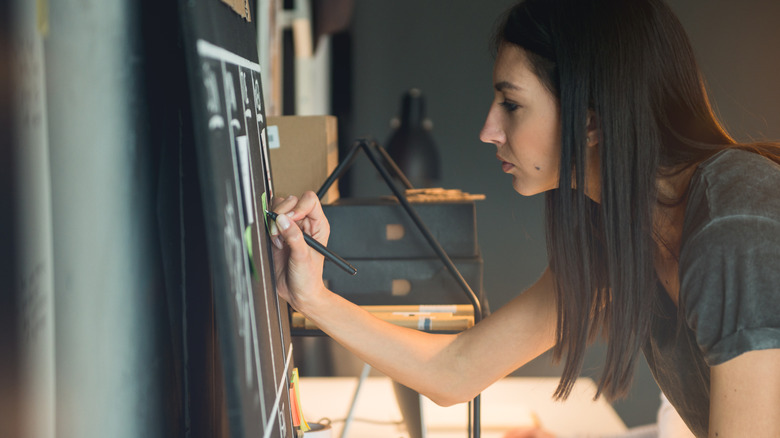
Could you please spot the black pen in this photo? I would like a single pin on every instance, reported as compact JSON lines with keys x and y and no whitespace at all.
{"x":320,"y":248}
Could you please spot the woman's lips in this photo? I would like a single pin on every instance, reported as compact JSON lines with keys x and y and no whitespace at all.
{"x":505,"y":166}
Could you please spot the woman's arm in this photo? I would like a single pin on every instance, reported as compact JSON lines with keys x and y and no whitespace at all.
{"x":446,"y":368}
{"x":745,"y":396}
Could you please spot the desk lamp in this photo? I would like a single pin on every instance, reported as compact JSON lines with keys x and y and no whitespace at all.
{"x":411,"y":144}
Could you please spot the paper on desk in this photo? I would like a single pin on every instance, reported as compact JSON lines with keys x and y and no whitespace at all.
{"x":497,"y":417}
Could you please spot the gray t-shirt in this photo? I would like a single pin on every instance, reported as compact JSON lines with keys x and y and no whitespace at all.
{"x":729,"y":281}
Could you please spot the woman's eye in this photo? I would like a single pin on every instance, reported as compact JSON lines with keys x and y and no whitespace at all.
{"x":509,"y":106}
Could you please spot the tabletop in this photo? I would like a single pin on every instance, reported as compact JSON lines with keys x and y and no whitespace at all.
{"x":511,"y":402}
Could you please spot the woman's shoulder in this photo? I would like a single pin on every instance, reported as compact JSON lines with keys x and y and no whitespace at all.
{"x":734,"y":182}
{"x":734,"y":157}
{"x":734,"y":165}
{"x":730,"y":255}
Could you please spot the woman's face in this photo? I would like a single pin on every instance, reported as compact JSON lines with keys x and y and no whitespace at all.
{"x":524,"y":124}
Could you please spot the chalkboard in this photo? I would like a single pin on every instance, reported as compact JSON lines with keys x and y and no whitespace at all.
{"x":232,"y":155}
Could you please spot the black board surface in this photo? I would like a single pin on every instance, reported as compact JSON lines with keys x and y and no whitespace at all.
{"x":232,"y":157}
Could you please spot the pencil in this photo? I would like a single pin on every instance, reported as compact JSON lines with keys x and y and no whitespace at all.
{"x":320,"y":248}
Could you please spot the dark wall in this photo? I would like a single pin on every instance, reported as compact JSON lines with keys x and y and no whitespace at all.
{"x":9,"y":336}
{"x":441,"y":47}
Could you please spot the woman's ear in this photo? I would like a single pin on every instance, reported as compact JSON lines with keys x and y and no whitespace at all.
{"x":592,"y":129}
{"x":593,"y":158}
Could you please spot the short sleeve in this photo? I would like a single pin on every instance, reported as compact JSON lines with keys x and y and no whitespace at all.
{"x":730,"y":285}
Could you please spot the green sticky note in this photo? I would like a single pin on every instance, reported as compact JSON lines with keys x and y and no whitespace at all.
{"x":264,"y":203}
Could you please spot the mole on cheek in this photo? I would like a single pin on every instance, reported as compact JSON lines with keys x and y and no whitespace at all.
{"x":537,"y":168}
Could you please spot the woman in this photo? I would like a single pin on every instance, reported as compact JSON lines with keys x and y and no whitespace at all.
{"x":663,"y":232}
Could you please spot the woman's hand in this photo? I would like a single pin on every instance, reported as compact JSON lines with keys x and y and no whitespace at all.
{"x":298,"y":268}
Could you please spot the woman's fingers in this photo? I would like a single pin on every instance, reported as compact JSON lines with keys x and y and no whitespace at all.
{"x":284,"y":204}
{"x":280,"y":206}
{"x":301,"y":274}
{"x":306,"y":211}
{"x":308,"y":206}
{"x":299,"y":251}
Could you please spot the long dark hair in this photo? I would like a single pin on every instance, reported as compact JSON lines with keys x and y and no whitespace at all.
{"x":630,"y":63}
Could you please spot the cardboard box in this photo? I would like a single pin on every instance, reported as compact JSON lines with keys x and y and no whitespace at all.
{"x":405,"y":281}
{"x":241,"y":7}
{"x":303,"y":152}
{"x":381,"y":229}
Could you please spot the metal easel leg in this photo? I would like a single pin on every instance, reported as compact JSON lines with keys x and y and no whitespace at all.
{"x":370,"y":147}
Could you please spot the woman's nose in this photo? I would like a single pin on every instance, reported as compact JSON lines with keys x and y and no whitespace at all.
{"x":491,"y":132}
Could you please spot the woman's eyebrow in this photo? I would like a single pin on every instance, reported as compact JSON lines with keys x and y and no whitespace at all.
{"x":504,"y":85}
